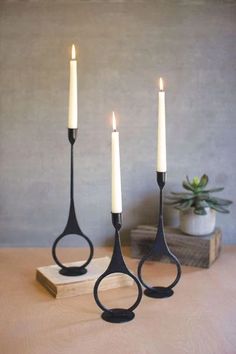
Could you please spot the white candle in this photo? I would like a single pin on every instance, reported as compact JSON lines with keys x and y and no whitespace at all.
{"x":161,"y":131}
{"x":116,"y":205}
{"x":73,"y":109}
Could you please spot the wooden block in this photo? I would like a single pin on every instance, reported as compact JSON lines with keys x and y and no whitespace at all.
{"x":61,"y":286}
{"x":198,"y":251}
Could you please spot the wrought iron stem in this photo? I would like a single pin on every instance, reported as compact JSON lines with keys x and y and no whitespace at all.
{"x":159,"y":249}
{"x":72,"y":226}
{"x":117,"y":265}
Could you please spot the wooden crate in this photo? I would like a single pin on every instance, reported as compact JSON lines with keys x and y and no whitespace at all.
{"x":198,"y":251}
{"x":61,"y":286}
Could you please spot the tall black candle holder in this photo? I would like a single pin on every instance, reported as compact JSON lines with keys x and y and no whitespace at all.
{"x":117,"y":265}
{"x":72,"y":226}
{"x":159,"y":249}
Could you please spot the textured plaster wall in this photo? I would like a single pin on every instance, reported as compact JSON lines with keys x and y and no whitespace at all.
{"x":124,"y":46}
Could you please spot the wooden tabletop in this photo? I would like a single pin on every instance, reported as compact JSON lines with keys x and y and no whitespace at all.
{"x":199,"y":318}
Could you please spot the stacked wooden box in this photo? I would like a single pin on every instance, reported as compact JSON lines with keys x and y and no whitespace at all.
{"x":61,"y":286}
{"x":198,"y":251}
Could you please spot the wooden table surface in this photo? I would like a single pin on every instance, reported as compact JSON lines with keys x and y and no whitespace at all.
{"x":199,"y":318}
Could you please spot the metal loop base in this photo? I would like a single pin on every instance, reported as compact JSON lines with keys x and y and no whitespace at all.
{"x":158,"y":292}
{"x":118,"y":316}
{"x":73,"y":271}
{"x":159,"y":248}
{"x":117,"y":265}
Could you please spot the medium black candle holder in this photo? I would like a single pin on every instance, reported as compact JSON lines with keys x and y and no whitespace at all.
{"x":117,"y":265}
{"x":72,"y":226}
{"x":159,"y":249}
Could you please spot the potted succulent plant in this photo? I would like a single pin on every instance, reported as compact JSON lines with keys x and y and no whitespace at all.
{"x":197,"y":206}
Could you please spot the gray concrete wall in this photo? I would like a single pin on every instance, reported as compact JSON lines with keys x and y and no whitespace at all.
{"x":124,"y":47}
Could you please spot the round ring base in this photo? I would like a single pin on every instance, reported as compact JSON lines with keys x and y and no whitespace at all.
{"x":72,"y":271}
{"x":118,"y":315}
{"x":159,"y":292}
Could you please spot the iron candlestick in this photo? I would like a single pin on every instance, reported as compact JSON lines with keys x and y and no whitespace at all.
{"x":117,"y":265}
{"x":72,"y":226}
{"x":159,"y":249}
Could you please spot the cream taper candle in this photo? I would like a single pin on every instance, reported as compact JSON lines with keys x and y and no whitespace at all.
{"x":73,"y":108}
{"x":116,"y":205}
{"x":161,"y":131}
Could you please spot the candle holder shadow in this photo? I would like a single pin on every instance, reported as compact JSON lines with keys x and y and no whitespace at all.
{"x":72,"y":226}
{"x":117,"y":265}
{"x":159,"y":249}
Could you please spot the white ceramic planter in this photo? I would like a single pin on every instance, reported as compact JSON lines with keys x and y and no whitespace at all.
{"x":197,"y":225}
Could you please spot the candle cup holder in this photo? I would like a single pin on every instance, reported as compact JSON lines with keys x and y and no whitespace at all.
{"x":72,"y":226}
{"x":159,"y":249}
{"x":117,"y":265}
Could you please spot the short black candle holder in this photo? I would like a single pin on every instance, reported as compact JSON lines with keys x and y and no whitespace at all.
{"x":159,"y":249}
{"x":72,"y":226}
{"x":117,"y":265}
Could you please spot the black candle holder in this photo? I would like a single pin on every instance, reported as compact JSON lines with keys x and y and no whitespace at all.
{"x":117,"y":265}
{"x":159,"y":249}
{"x":72,"y":226}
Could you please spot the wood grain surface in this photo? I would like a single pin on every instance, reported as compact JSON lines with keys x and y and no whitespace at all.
{"x":197,"y":251}
{"x":61,"y":286}
{"x":199,"y":319}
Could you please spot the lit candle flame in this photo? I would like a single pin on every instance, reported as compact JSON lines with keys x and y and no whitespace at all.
{"x":73,"y":52}
{"x":161,"y":84}
{"x":113,"y":121}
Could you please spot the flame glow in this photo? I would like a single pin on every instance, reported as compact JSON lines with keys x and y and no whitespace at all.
{"x":113,"y":121}
{"x":161,"y":84}
{"x":73,"y":52}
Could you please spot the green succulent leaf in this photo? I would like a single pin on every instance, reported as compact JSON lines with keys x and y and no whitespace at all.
{"x":181,"y":201}
{"x":197,"y":197}
{"x":220,"y":209}
{"x":199,"y":204}
{"x":195,"y":182}
{"x":173,"y":202}
{"x":181,"y":196}
{"x":203,"y":181}
{"x":220,"y":201}
{"x":184,"y":206}
{"x":200,"y":211}
{"x":188,"y":186}
{"x":181,"y":193}
{"x":213,"y":190}
{"x":171,"y":197}
{"x":203,"y":196}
